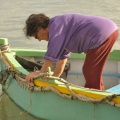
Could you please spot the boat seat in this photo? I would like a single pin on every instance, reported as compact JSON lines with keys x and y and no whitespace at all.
{"x":115,"y":89}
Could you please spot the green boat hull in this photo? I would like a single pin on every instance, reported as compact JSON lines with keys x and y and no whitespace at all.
{"x":49,"y":106}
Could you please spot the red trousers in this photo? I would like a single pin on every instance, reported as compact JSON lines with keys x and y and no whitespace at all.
{"x":95,"y":61}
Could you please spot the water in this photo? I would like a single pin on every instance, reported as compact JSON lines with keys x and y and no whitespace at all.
{"x":13,"y":14}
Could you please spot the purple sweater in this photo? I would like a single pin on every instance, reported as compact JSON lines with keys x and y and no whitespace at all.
{"x":76,"y":33}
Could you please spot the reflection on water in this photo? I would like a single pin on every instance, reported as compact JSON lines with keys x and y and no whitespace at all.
{"x":13,"y":14}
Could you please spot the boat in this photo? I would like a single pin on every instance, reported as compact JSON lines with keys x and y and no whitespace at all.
{"x":64,"y":98}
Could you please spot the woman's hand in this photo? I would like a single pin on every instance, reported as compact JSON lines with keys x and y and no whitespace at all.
{"x":31,"y":76}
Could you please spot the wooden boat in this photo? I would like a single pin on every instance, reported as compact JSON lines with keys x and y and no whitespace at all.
{"x":51,"y":98}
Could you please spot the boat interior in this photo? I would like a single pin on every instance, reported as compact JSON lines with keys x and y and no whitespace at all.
{"x":73,"y":71}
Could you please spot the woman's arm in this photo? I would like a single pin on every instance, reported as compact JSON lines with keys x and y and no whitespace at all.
{"x":45,"y":66}
{"x":59,"y":68}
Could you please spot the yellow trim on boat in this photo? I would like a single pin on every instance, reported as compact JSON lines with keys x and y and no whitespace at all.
{"x":95,"y":94}
{"x":84,"y":91}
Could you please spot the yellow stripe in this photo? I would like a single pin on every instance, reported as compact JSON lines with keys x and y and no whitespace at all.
{"x":86,"y":93}
{"x":95,"y":94}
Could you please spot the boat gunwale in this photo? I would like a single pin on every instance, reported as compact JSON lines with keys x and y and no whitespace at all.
{"x":95,"y":94}
{"x":114,"y":55}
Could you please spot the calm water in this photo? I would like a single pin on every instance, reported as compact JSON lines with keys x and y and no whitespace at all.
{"x":13,"y":13}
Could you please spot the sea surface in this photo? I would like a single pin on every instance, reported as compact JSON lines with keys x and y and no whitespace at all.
{"x":13,"y":14}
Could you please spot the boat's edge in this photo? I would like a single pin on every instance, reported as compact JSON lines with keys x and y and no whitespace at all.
{"x":90,"y":93}
{"x":51,"y":106}
{"x":114,"y":55}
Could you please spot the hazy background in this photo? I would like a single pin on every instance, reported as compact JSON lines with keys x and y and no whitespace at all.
{"x":13,"y":14}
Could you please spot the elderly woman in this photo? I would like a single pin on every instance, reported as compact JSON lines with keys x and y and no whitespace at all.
{"x":75,"y":33}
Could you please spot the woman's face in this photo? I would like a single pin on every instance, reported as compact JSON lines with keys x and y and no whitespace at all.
{"x":42,"y":34}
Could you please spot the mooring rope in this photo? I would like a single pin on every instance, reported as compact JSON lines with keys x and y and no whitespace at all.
{"x":20,"y":77}
{"x":4,"y":48}
{"x":45,"y":76}
{"x":107,"y":99}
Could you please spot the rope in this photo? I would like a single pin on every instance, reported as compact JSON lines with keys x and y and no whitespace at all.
{"x":5,"y":91}
{"x":20,"y":77}
{"x":107,"y":99}
{"x":4,"y":48}
{"x":9,"y":71}
{"x":45,"y":76}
